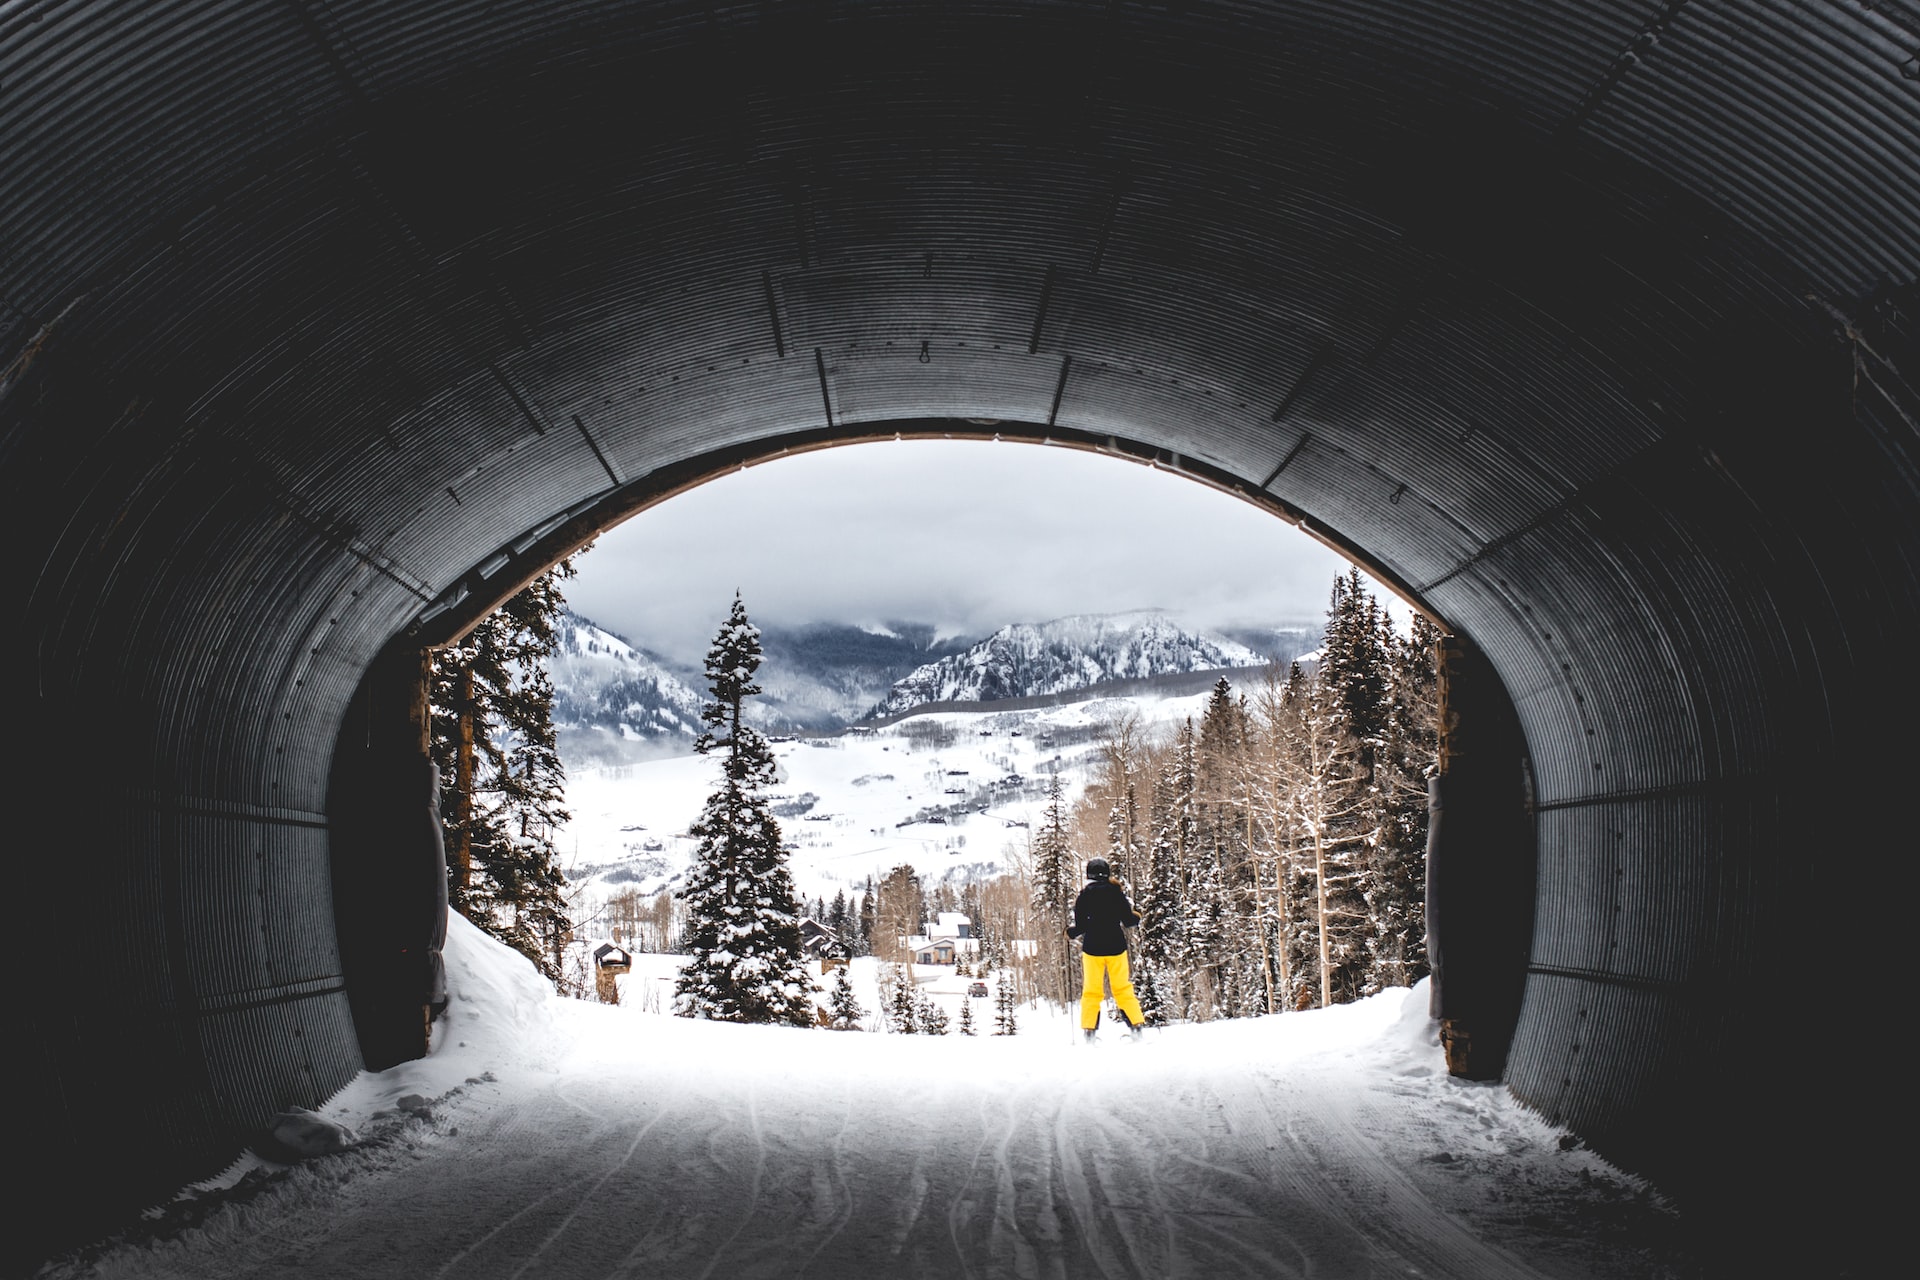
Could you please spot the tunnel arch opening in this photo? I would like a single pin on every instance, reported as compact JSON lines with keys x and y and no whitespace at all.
{"x":389,"y":875}
{"x":263,"y":344}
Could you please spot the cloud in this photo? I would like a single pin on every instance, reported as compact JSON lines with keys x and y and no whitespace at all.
{"x":966,"y":535}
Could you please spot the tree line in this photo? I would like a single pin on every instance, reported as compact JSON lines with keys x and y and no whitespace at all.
{"x":1276,"y":849}
{"x":502,"y":784}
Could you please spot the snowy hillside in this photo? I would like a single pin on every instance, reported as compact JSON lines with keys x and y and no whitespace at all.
{"x":1029,"y":659}
{"x":949,"y":793}
{"x":612,"y":700}
{"x":615,"y":702}
{"x":825,"y":675}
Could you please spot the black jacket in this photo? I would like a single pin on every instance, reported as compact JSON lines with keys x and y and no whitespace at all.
{"x":1098,"y":914}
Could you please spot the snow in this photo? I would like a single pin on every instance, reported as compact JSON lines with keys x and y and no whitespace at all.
{"x":545,"y":1137}
{"x":865,"y":785}
{"x":1064,"y":654}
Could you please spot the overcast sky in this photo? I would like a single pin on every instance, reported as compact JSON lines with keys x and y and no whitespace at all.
{"x":966,"y":535}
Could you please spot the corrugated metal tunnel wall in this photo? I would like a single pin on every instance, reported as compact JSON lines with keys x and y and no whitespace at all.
{"x":1592,"y":324}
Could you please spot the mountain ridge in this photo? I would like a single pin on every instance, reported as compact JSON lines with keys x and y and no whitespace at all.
{"x":1062,"y":655}
{"x":616,"y":702}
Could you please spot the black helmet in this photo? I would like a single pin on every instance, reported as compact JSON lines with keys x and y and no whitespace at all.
{"x":1097,"y":869}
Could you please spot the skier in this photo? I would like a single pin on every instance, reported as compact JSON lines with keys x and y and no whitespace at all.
{"x":1101,"y":915}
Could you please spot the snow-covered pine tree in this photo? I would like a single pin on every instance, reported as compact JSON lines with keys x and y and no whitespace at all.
{"x":1356,"y":666}
{"x":897,"y":992}
{"x":839,"y":922}
{"x":502,"y":782}
{"x":743,"y":928}
{"x":1054,"y":882}
{"x":966,"y":1018}
{"x":1205,"y":934}
{"x":1342,"y":724}
{"x":1004,"y":1023}
{"x":930,"y":1018}
{"x":1226,"y":832}
{"x":1157,"y":889}
{"x":1396,"y":872}
{"x":843,"y":1007}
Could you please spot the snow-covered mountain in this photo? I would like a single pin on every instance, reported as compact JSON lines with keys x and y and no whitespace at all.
{"x":1029,"y":659}
{"x":825,"y":675}
{"x":613,"y":701}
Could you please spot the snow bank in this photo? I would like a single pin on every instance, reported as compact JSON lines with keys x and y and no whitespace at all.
{"x":500,"y":1017}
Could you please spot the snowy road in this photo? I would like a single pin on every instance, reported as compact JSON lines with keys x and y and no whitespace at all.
{"x":616,"y":1143}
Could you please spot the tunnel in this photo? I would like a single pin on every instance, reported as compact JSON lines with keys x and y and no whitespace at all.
{"x":1594,"y":328}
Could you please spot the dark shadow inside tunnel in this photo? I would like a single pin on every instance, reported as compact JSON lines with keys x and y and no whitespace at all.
{"x":324,"y":326}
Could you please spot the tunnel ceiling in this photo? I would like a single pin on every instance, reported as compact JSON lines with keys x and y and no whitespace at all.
{"x":1585,"y":323}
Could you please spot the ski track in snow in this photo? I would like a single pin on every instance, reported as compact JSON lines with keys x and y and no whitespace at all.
{"x":1117,"y":1167}
{"x":635,"y":1145}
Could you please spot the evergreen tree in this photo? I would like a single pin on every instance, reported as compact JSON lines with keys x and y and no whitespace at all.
{"x":839,"y":922}
{"x":1054,"y":879}
{"x":966,"y":1018}
{"x":1396,"y":871}
{"x":1164,"y":910}
{"x":502,"y":782}
{"x":743,"y":928}
{"x":843,"y":1008}
{"x":1221,"y":883}
{"x":897,"y":992}
{"x":1356,"y":668}
{"x":929,"y":1017}
{"x":1003,"y":1008}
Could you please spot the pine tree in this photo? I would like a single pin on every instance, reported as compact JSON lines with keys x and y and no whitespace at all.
{"x":902,"y":1010}
{"x":966,"y":1018}
{"x":1341,"y":720}
{"x":1223,"y":952}
{"x":1396,"y":871}
{"x":743,"y":928}
{"x":864,"y":917}
{"x":1161,"y":941}
{"x":502,"y":781}
{"x":839,"y":922}
{"x":1053,"y":880}
{"x":1003,"y":1008}
{"x":930,"y":1018}
{"x":843,"y":1008}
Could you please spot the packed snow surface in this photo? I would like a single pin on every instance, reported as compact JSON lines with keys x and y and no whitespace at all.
{"x":544,"y":1137}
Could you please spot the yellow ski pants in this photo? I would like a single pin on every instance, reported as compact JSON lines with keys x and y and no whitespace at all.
{"x":1113,"y":971}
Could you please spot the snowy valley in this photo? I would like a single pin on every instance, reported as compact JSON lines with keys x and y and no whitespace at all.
{"x":950,"y":793}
